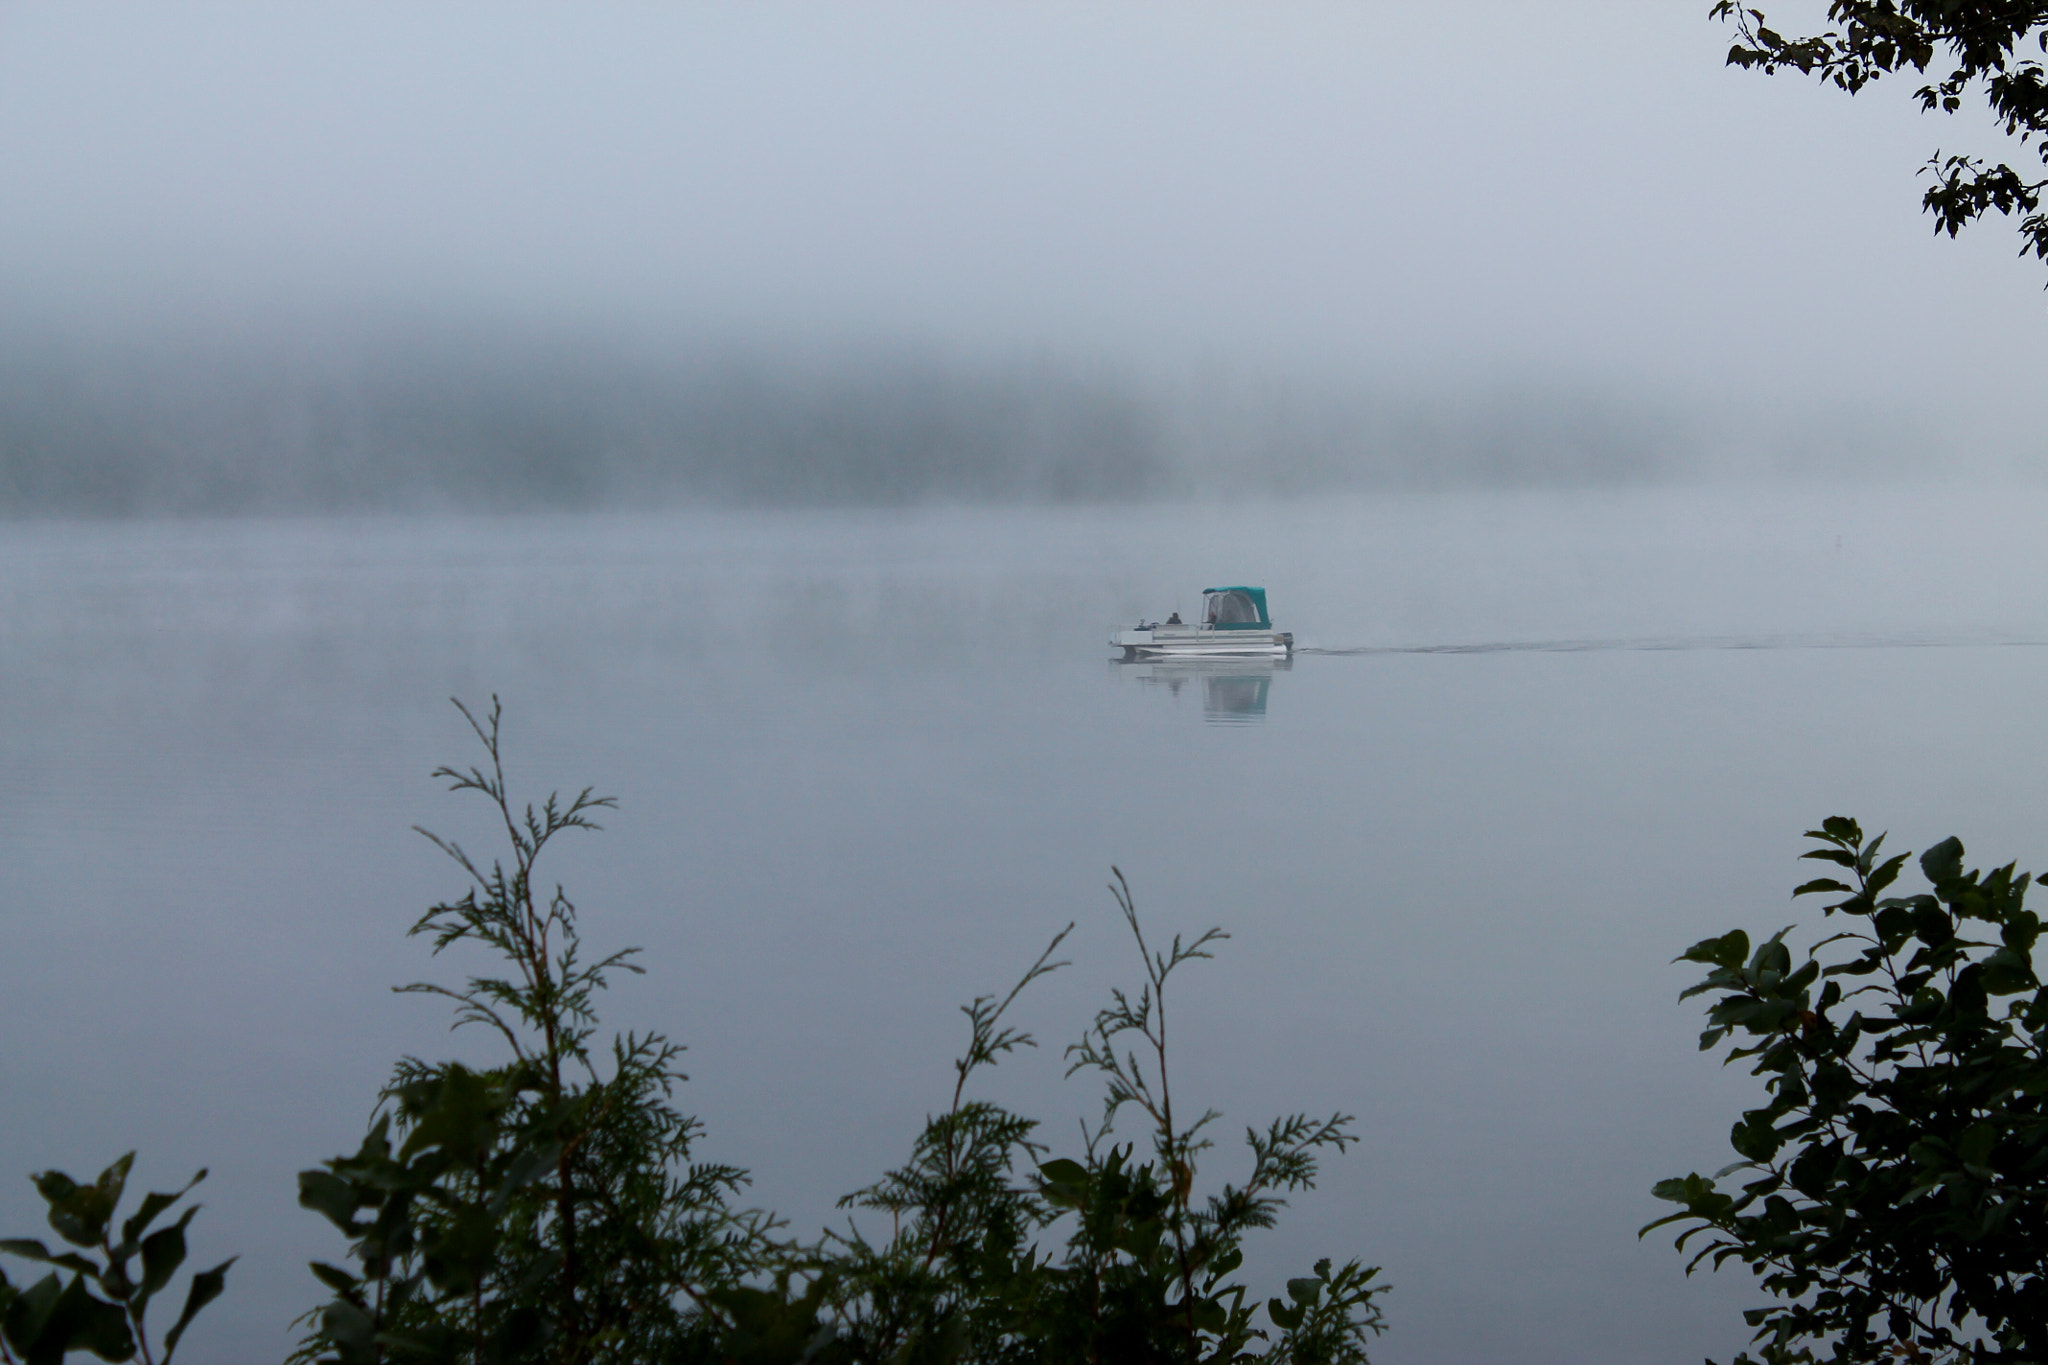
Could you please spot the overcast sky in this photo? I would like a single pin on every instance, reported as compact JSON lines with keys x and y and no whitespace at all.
{"x":1402,"y":191}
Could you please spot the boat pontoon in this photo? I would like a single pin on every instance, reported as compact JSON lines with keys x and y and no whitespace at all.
{"x":1233,"y":625}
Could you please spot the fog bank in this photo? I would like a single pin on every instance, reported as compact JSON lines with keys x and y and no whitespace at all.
{"x":504,"y":415}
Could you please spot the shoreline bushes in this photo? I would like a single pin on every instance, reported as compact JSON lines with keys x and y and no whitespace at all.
{"x":549,"y":1207}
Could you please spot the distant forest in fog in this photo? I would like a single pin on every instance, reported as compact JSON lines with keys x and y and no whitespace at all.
{"x":442,"y":417}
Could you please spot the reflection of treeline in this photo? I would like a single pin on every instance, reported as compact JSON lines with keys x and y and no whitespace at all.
{"x":121,"y":428}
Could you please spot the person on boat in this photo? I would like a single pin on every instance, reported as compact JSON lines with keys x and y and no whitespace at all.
{"x":1174,"y":620}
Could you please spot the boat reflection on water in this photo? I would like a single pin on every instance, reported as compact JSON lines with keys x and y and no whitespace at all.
{"x":1233,"y":690}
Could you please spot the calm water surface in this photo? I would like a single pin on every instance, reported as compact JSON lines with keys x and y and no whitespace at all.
{"x":868,"y":763}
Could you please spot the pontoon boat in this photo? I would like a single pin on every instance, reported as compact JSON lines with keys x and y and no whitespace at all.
{"x":1233,"y":624}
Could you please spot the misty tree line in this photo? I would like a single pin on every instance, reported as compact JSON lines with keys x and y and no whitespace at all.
{"x":511,"y":418}
{"x":478,"y":418}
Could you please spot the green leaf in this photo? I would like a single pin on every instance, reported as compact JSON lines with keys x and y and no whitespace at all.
{"x":1062,"y":1171}
{"x":29,"y":1311}
{"x":79,"y":1213}
{"x":1756,"y":1138}
{"x":1729,"y":950}
{"x":1974,"y":1147}
{"x":1772,"y":955}
{"x":1831,"y":855}
{"x":163,"y":1251}
{"x":1823,"y":884}
{"x":206,"y":1287}
{"x":103,"y":1330}
{"x":335,"y":1278}
{"x":1885,"y":873}
{"x":331,"y":1197}
{"x":153,"y":1204}
{"x":73,"y":1320}
{"x":1931,"y":923}
{"x":31,"y":1250}
{"x":1943,"y":862}
{"x":462,"y":1118}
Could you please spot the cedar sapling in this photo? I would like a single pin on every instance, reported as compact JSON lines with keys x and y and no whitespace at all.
{"x":546,"y":1208}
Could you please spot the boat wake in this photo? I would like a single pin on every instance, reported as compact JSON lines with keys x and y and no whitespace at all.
{"x":1683,"y":642}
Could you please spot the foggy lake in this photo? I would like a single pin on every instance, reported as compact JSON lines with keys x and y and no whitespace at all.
{"x":778,"y":406}
{"x":870,"y":761}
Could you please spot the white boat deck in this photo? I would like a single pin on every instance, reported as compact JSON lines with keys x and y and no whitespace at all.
{"x":1203,"y":642}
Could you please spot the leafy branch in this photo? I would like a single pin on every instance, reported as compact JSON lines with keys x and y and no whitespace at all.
{"x":1983,"y":41}
{"x":44,"y":1321}
{"x":1898,"y":1169}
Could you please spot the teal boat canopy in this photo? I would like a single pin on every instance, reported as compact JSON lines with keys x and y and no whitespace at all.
{"x":1235,"y":609}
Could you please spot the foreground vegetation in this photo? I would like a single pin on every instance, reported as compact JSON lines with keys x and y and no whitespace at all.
{"x":549,"y":1208}
{"x":1959,"y":54}
{"x":1894,"y":1199}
